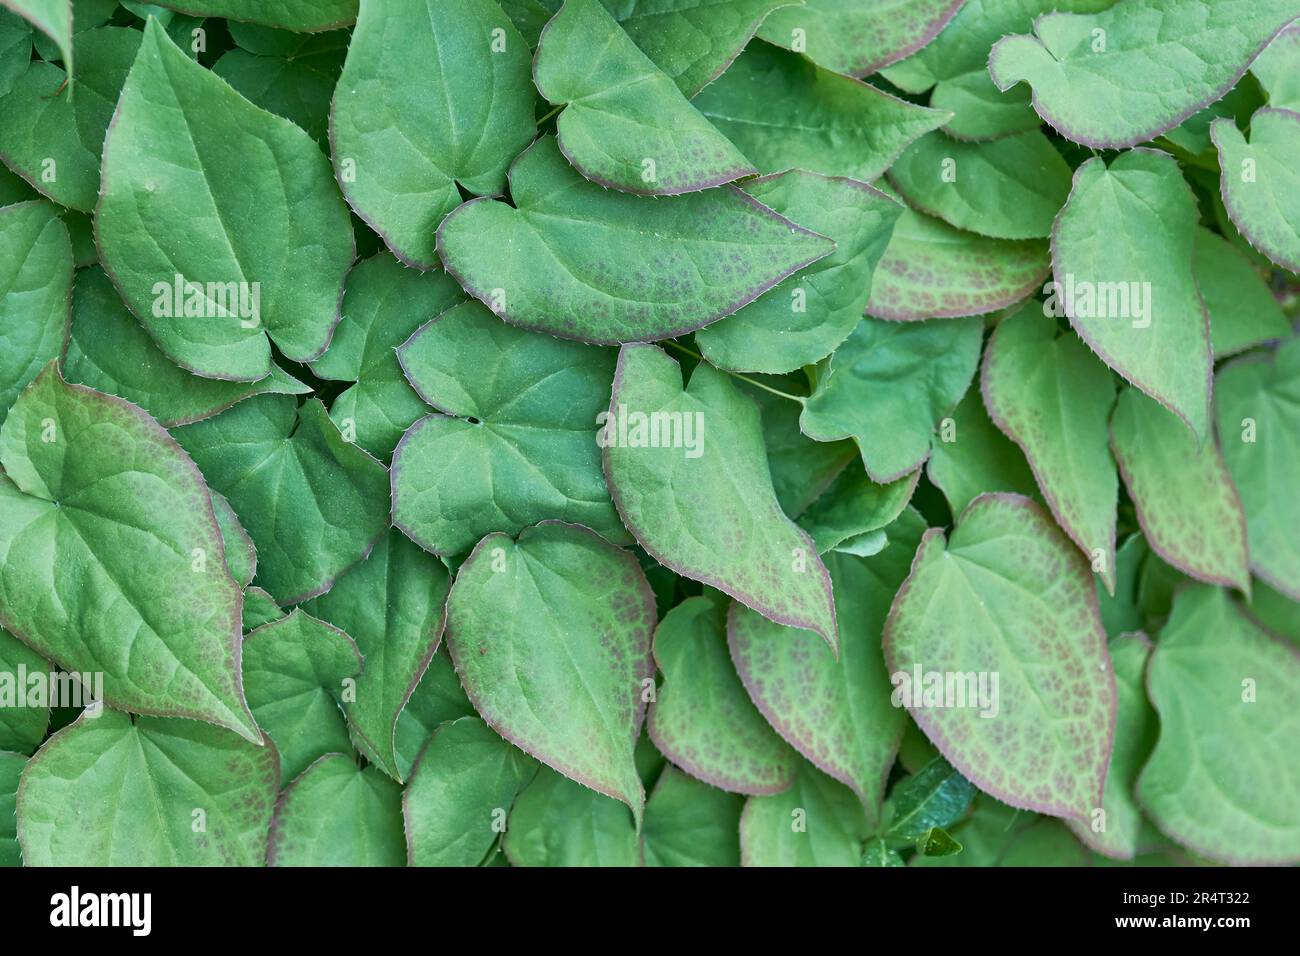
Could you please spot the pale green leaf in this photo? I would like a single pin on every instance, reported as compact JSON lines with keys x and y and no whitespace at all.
{"x":689,"y":823}
{"x":1260,"y":182}
{"x":817,"y":822}
{"x":338,"y":814}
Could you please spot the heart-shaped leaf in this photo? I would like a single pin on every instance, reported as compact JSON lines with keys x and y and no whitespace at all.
{"x":338,"y":814}
{"x":1261,"y":188}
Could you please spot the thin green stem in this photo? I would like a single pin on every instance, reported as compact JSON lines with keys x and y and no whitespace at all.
{"x":550,"y":114}
{"x":744,"y":378}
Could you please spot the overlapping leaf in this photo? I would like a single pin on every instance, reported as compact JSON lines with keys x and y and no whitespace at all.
{"x":338,"y":814}
{"x":1261,"y":187}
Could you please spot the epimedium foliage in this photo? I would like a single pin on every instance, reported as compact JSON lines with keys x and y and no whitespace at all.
{"x":632,"y":432}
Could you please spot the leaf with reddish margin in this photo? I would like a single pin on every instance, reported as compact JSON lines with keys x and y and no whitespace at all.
{"x":1136,"y":728}
{"x":1052,"y":398}
{"x":1185,"y":500}
{"x":1258,"y":403}
{"x":1153,"y":64}
{"x":713,"y":517}
{"x":1008,"y":594}
{"x":817,"y":822}
{"x":1128,"y":231}
{"x":582,"y":262}
{"x":888,"y":386}
{"x":702,"y":719}
{"x":1260,"y":184}
{"x":836,"y":713}
{"x":112,"y":558}
{"x":932,"y":271}
{"x":858,"y":37}
{"x":338,"y":814}
{"x":551,"y":637}
{"x":1223,"y":779}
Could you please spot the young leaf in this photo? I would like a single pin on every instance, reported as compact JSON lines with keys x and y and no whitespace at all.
{"x":1053,"y":399}
{"x":313,"y":503}
{"x":511,"y":447}
{"x":383,"y":305}
{"x":837,"y":713}
{"x":551,"y":637}
{"x":689,"y":823}
{"x":702,"y":720}
{"x":1259,"y":182}
{"x":1122,"y":257}
{"x":972,"y":456}
{"x":391,"y":604}
{"x":933,"y":798}
{"x":854,"y":505}
{"x":21,"y":728}
{"x":295,"y":672}
{"x":1185,"y":500}
{"x":805,"y":317}
{"x":680,"y":508}
{"x":459,"y":794}
{"x":625,"y":124}
{"x":1041,"y":738}
{"x":1258,"y":405}
{"x":1121,"y":76}
{"x":931,"y":270}
{"x":582,"y":262}
{"x":432,"y":94}
{"x":217,"y":221}
{"x":109,"y":351}
{"x":143,"y":784}
{"x":35,"y":292}
{"x":302,"y":16}
{"x":786,"y":113}
{"x":1010,"y":188}
{"x":1243,"y":311}
{"x":556,"y":822}
{"x":101,"y":507}
{"x":817,"y":822}
{"x":259,"y":609}
{"x":338,"y":814}
{"x":1228,"y":703}
{"x":857,"y":37}
{"x":888,"y":386}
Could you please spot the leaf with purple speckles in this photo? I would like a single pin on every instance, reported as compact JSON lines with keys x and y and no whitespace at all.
{"x":582,"y":262}
{"x":551,"y":637}
{"x":1124,"y":75}
{"x":1002,"y":659}
{"x":699,"y":498}
{"x":702,"y":719}
{"x":1260,"y":183}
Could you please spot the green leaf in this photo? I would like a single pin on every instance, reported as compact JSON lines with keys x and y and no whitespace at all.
{"x":878,"y":853}
{"x":313,"y":503}
{"x":706,"y":508}
{"x":14,"y":188}
{"x":53,"y":140}
{"x":1117,"y":834}
{"x":241,"y":553}
{"x":1052,"y":398}
{"x":437,"y":699}
{"x":35,"y":292}
{"x":15,"y":49}
{"x":933,"y":798}
{"x":296,"y":671}
{"x":556,"y":822}
{"x":392,"y":605}
{"x":338,"y":814}
{"x":298,"y":88}
{"x":582,"y":262}
{"x":931,"y":270}
{"x":702,"y":719}
{"x":142,"y":784}
{"x":509,"y":448}
{"x":972,"y":456}
{"x":1153,"y":64}
{"x":383,"y":305}
{"x":432,"y":95}
{"x":108,"y":350}
{"x":53,"y":18}
{"x":689,"y":823}
{"x":1243,"y":311}
{"x":460,"y":792}
{"x":21,"y":728}
{"x":1275,"y":612}
{"x":551,"y":637}
{"x":854,"y":505}
{"x":857,"y":37}
{"x":809,"y":314}
{"x":937,"y":842}
{"x":802,"y":469}
{"x":303,"y":16}
{"x":625,"y":124}
{"x":1223,"y":779}
{"x":888,"y":386}
{"x":1122,"y":256}
{"x":785,"y":112}
{"x":11,"y":766}
{"x":1260,"y":182}
{"x":1258,"y":404}
{"x":837,"y":713}
{"x":112,"y":557}
{"x":1041,"y":737}
{"x":212,"y":189}
{"x":817,"y":822}
{"x":259,"y":608}
{"x":268,"y":41}
{"x":1185,"y":500}
{"x":1278,"y":69}
{"x":1010,"y":188}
